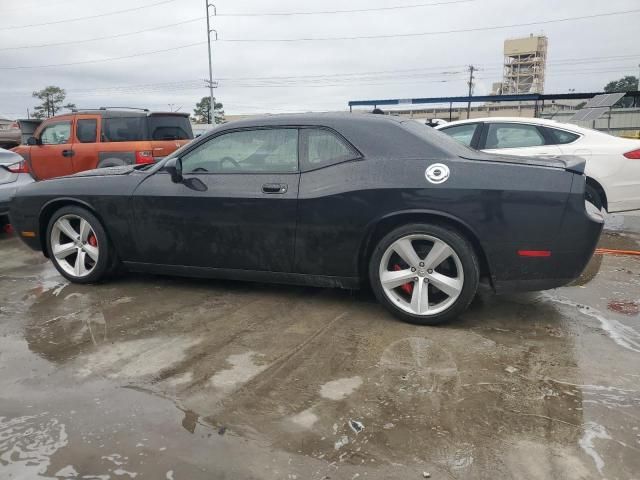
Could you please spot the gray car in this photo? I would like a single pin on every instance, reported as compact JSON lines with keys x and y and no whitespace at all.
{"x":13,"y":175}
{"x":10,"y":135}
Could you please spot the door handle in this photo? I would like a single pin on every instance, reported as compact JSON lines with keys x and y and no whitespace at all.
{"x":68,"y":153}
{"x":272,"y":188}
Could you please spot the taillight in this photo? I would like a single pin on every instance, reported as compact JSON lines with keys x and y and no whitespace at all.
{"x":144,"y":156}
{"x":15,"y":126}
{"x":633,"y":154}
{"x":20,"y":167}
{"x":534,"y":253}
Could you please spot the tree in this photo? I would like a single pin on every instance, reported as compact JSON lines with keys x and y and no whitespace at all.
{"x":202,"y":112}
{"x":52,"y":98}
{"x":628,"y":83}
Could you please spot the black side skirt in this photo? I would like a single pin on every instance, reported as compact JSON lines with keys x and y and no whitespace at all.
{"x":247,"y":275}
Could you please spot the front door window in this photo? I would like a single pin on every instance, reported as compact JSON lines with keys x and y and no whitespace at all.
{"x":248,"y":151}
{"x":56,"y":134}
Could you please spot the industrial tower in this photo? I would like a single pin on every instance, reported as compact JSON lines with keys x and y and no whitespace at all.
{"x":524,"y":65}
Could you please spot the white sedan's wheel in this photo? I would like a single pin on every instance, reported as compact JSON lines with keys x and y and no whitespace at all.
{"x":74,"y":245}
{"x":421,"y":286}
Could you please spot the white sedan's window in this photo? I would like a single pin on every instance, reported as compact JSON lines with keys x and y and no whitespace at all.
{"x":513,"y":135}
{"x":462,"y":133}
{"x":562,"y":137}
{"x":248,"y":151}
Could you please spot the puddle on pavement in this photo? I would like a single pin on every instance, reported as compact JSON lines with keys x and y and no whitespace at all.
{"x":525,"y":384}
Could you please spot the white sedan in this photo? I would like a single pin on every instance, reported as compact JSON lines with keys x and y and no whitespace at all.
{"x":613,"y":163}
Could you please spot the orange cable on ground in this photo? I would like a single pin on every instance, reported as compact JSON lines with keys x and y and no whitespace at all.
{"x":609,"y":251}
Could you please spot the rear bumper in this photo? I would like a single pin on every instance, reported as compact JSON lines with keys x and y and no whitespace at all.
{"x":571,"y":249}
{"x":8,"y":190}
{"x":22,"y":224}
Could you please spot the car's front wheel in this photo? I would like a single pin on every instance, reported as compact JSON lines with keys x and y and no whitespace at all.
{"x":78,"y":245}
{"x":424,"y":273}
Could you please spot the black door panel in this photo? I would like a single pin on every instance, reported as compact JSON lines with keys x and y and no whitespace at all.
{"x":217,"y":220}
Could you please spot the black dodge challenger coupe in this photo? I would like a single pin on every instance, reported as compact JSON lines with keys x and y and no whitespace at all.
{"x":330,"y":200}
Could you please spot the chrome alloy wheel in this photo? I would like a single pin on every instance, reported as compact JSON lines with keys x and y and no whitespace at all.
{"x":74,"y":245}
{"x":421,"y":274}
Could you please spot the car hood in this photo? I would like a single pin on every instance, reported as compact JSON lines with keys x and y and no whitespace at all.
{"x":103,"y":172}
{"x":570,"y":163}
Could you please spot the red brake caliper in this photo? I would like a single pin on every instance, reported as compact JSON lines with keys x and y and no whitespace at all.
{"x":93,"y":241}
{"x":407,"y":287}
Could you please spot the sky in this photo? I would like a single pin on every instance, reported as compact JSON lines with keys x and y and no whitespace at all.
{"x":286,"y":56}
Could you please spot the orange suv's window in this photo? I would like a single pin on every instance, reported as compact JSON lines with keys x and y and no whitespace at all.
{"x":169,"y":127}
{"x":56,"y":134}
{"x":123,"y":129}
{"x":86,"y":130}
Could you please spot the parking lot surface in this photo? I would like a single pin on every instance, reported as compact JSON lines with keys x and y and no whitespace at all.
{"x":169,"y":378}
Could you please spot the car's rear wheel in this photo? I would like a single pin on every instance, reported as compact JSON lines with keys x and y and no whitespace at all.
{"x":78,"y":245}
{"x":423,"y":273}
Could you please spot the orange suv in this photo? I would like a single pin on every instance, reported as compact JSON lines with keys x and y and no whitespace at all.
{"x":83,"y":140}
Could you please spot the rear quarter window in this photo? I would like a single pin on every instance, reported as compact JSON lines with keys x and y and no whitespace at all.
{"x":561,"y":137}
{"x":169,"y":127}
{"x":321,"y":148}
{"x":124,"y":129}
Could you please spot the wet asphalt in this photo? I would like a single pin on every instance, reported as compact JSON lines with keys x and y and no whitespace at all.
{"x":170,"y":378}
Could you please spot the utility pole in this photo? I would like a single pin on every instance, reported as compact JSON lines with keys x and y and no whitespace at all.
{"x":209,"y":30}
{"x":471,"y":70}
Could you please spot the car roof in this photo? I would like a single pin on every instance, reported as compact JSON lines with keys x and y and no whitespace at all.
{"x":537,"y":121}
{"x":529,"y":120}
{"x":373,"y":135}
{"x":109,"y":113}
{"x":319,"y":119}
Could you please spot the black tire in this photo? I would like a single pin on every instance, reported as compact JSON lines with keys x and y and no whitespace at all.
{"x":465,"y":253}
{"x":592,"y":196}
{"x":106,"y":258}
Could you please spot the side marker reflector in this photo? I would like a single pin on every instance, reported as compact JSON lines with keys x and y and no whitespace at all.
{"x":534,"y":253}
{"x":28,"y":234}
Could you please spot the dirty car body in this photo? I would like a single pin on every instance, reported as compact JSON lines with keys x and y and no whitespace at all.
{"x":322,"y":218}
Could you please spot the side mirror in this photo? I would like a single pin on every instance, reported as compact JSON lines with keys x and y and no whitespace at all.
{"x":174,"y":168}
{"x":32,"y":141}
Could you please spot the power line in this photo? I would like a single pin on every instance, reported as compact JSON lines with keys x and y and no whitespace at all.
{"x":141,"y":54}
{"x":331,"y":12}
{"x":422,"y":34}
{"x":99,"y":15}
{"x":126,"y":34}
{"x":105,"y":37}
{"x":119,"y":35}
{"x":319,"y":39}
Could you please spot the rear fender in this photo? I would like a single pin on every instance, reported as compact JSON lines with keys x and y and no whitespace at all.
{"x":379,"y":227}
